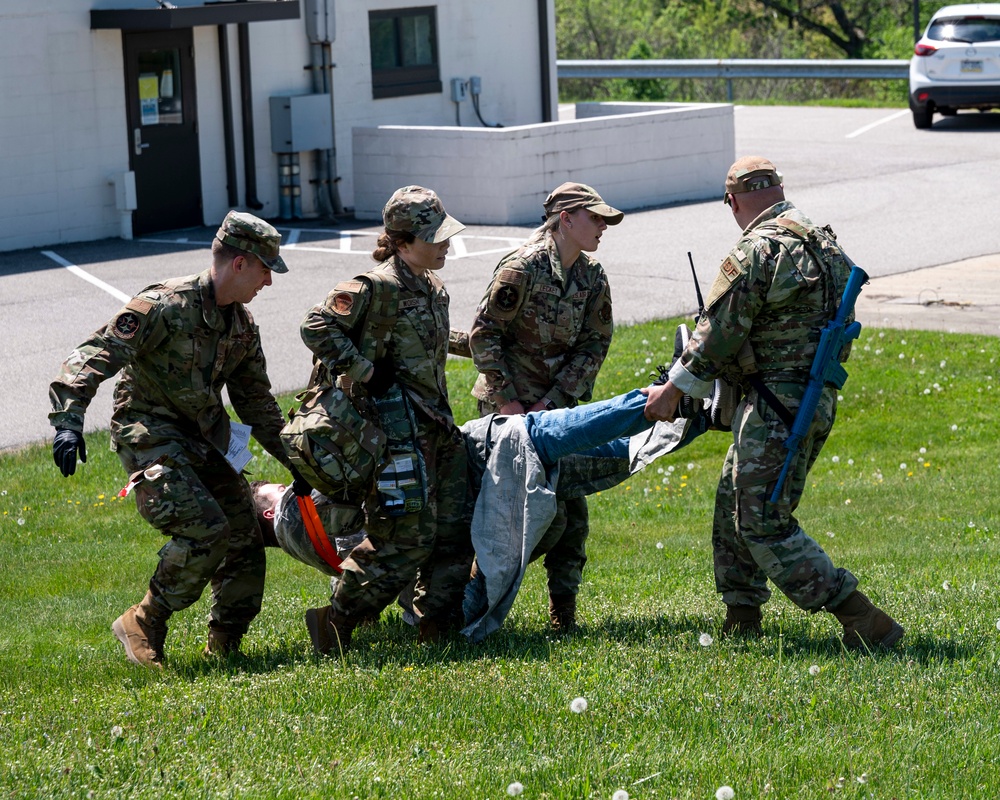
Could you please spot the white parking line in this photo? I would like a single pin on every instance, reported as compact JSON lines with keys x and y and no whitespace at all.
{"x":87,"y":276}
{"x":346,"y":238}
{"x":882,"y":121}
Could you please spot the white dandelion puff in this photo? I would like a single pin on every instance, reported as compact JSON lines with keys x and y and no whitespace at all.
{"x":923,"y":450}
{"x":579,"y":705}
{"x":515,"y":789}
{"x":659,"y":545}
{"x":954,"y":427}
{"x":835,"y":459}
{"x":621,"y":794}
{"x":903,"y":465}
{"x":850,"y":462}
{"x":116,"y":731}
{"x":814,"y":669}
{"x":998,"y":624}
{"x":863,"y":777}
{"x":20,"y":520}
{"x":705,"y":640}
{"x":830,"y":534}
{"x":725,"y":793}
{"x":946,"y":586}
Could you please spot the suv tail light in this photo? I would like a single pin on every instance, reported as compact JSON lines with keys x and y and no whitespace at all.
{"x":924,"y":49}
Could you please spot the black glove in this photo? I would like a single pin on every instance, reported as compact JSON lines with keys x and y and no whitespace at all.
{"x":300,"y":486}
{"x":383,"y":376}
{"x":64,"y":447}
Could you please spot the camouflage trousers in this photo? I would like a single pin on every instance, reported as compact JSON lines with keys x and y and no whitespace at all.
{"x":753,"y":539}
{"x":207,"y":511}
{"x":564,"y":546}
{"x":433,"y":545}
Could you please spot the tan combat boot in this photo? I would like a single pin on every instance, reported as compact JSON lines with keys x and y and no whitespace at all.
{"x":142,"y":630}
{"x":562,"y":612}
{"x":222,"y":644}
{"x":329,"y":629}
{"x":742,"y":621}
{"x":865,"y":625}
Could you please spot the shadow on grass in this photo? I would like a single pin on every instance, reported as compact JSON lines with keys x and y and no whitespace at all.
{"x":391,"y":643}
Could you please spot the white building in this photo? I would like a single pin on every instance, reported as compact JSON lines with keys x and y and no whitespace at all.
{"x":122,"y":116}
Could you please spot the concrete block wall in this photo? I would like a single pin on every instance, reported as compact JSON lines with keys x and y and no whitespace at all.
{"x":635,"y":154}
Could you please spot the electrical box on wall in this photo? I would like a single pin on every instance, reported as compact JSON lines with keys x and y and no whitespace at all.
{"x":301,"y":122}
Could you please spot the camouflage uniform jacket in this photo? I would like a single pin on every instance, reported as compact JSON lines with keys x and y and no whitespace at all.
{"x":775,"y":290}
{"x":541,"y":331}
{"x":421,"y":339}
{"x":176,"y":350}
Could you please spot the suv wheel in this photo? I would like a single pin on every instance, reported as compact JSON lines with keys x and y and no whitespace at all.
{"x":923,"y":116}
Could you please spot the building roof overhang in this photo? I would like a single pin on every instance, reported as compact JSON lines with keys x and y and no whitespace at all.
{"x":218,"y":13}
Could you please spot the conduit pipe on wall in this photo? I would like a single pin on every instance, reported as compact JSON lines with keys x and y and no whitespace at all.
{"x":246,"y":104}
{"x":227,"y":117}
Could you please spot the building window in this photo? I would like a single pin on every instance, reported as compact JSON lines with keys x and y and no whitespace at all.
{"x":404,"y":52}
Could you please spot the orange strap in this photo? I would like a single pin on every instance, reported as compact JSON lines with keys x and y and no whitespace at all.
{"x":317,"y":534}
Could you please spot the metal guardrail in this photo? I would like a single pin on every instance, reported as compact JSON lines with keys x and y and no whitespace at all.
{"x":729,"y":68}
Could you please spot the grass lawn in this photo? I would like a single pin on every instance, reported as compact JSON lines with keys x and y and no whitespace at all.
{"x":906,"y":495}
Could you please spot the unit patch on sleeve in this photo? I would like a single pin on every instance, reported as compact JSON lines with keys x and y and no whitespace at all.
{"x":126,"y":325}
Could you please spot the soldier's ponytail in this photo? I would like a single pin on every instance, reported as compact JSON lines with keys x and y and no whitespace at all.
{"x":551,"y":223}
{"x":388,"y":244}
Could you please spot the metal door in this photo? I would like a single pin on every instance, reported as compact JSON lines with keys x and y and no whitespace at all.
{"x":163,"y":130}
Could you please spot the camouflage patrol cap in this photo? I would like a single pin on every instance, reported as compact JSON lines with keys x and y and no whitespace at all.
{"x":416,"y":210}
{"x":748,"y":174}
{"x":252,"y":235}
{"x":571,"y":196}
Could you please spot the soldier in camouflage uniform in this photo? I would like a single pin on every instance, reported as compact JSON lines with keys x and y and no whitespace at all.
{"x":774,"y":293}
{"x":177,"y":344}
{"x":540,"y":336}
{"x":432,"y":544}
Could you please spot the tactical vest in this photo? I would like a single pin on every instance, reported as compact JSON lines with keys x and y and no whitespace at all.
{"x":333,"y":438}
{"x":784,"y":336}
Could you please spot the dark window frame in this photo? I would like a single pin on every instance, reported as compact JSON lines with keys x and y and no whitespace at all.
{"x":404,"y":81}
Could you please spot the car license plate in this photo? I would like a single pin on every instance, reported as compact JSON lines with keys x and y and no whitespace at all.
{"x":972,"y":65}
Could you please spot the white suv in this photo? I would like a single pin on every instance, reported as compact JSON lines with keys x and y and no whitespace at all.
{"x":956,"y":63}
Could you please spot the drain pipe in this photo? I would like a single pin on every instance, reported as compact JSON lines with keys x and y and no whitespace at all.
{"x":227,"y":117}
{"x":246,"y":97}
{"x":543,"y":55}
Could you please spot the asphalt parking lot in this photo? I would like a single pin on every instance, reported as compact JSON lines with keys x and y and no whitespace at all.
{"x":910,"y":206}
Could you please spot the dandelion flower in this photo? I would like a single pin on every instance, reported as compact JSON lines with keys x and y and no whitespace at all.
{"x":830,"y":534}
{"x":998,"y":624}
{"x":814,"y":669}
{"x":20,"y":520}
{"x":515,"y":789}
{"x":579,"y":705}
{"x":847,"y":502}
{"x":835,"y":459}
{"x":903,"y":465}
{"x":725,"y":793}
{"x":946,"y":586}
{"x":116,"y":732}
{"x":659,"y":545}
{"x":621,"y":794}
{"x":954,"y":427}
{"x":863,"y":777}
{"x":705,"y":640}
{"x":850,"y":462}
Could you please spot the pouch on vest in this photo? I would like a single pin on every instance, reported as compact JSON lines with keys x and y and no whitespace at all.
{"x":401,"y":484}
{"x":335,"y":446}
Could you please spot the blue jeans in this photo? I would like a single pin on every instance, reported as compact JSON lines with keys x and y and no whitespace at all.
{"x":601,"y":429}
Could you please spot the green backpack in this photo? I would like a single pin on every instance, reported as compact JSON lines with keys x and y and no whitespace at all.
{"x":333,"y":439}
